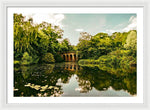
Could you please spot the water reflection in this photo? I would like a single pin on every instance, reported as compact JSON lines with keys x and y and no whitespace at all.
{"x":69,"y":79}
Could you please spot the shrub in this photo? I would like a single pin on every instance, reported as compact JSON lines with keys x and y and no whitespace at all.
{"x":26,"y":59}
{"x":35,"y":59}
{"x":48,"y":58}
{"x":58,"y":58}
{"x":88,"y":61}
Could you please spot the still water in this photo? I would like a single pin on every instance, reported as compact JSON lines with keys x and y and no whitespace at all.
{"x":68,"y":79}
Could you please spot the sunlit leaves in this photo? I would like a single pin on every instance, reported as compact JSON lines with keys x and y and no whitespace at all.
{"x":36,"y":39}
{"x":131,"y":40}
{"x":65,"y":46}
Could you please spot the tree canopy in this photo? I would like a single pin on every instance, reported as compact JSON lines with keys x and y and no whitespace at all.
{"x":37,"y":39}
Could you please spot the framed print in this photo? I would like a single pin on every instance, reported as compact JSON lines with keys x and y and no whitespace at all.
{"x":62,"y":53}
{"x":74,"y":54}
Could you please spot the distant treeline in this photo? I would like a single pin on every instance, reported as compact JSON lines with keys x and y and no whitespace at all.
{"x":118,"y":49}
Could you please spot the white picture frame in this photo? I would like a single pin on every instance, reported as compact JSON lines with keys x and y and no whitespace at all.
{"x":78,"y":3}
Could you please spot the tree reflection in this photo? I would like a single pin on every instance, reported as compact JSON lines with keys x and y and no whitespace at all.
{"x":46,"y":80}
{"x":39,"y":80}
{"x":98,"y":79}
{"x":118,"y":78}
{"x":84,"y":86}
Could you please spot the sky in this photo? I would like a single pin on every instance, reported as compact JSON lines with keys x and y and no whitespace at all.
{"x":74,"y":24}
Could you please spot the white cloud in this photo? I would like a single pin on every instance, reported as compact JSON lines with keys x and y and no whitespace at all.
{"x":54,"y":19}
{"x":79,"y":30}
{"x":132,"y":24}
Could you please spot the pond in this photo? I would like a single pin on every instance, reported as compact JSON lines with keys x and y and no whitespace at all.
{"x":68,"y":79}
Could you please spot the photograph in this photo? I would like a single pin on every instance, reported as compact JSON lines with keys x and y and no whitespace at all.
{"x":79,"y":54}
{"x":61,"y":54}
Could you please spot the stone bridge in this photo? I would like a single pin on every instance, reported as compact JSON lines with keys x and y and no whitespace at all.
{"x":70,"y":56}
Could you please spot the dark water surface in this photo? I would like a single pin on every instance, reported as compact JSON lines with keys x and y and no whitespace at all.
{"x":68,"y":79}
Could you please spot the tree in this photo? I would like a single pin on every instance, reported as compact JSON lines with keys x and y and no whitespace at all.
{"x":131,"y":43}
{"x":65,"y":46}
{"x":36,"y":39}
{"x":24,"y":36}
{"x":119,"y":39}
{"x":131,"y":40}
{"x":94,"y":46}
{"x":48,"y":58}
{"x":26,"y":59}
{"x":84,"y":44}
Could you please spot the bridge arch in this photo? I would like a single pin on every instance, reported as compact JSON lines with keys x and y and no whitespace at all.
{"x":70,"y":56}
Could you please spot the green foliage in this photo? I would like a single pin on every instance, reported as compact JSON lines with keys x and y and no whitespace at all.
{"x":131,"y":43}
{"x":37,"y":39}
{"x":16,"y":62}
{"x":120,"y":53}
{"x":65,"y":46}
{"x":128,"y":61}
{"x":88,"y":61}
{"x":88,"y":77}
{"x":58,"y":58}
{"x":26,"y":59}
{"x":84,"y":45}
{"x":105,"y":59}
{"x":26,"y":71}
{"x":131,"y":40}
{"x":35,"y":59}
{"x":94,"y":46}
{"x":117,"y":62}
{"x":25,"y":35}
{"x":109,"y":52}
{"x":48,"y":58}
{"x":120,"y":58}
{"x":119,"y":39}
{"x":102,"y":44}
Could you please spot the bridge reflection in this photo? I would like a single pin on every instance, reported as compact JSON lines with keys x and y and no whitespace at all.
{"x":71,"y":66}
